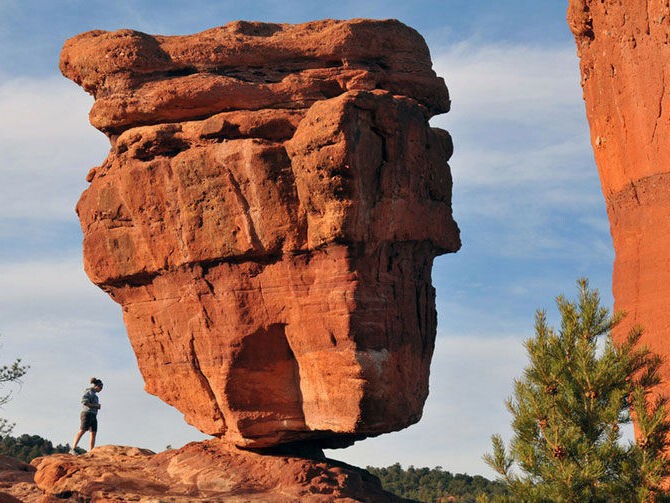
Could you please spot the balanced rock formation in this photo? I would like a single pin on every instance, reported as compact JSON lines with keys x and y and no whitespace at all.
{"x":268,"y":217}
{"x":624,"y":51}
{"x":210,"y":471}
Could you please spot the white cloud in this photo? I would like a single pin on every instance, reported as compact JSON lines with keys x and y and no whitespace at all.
{"x":521,"y":163}
{"x":511,"y":82}
{"x":471,"y":376}
{"x":53,"y":292}
{"x":48,"y":402}
{"x":52,"y":278}
{"x":525,"y":184}
{"x":47,"y":148}
{"x":38,"y":109}
{"x":517,"y":116}
{"x":67,"y":330}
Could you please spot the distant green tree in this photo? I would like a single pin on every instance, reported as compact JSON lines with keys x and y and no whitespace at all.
{"x":28,"y":447}
{"x":434,"y":485}
{"x":10,"y":374}
{"x":579,"y":387}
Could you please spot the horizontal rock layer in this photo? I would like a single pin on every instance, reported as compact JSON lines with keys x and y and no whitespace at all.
{"x":273,"y":258}
{"x":143,"y":79}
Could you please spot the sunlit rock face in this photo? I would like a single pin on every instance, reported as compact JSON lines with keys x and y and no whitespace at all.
{"x":267,"y":217}
{"x":624,"y":51}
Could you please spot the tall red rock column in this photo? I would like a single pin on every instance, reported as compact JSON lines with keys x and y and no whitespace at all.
{"x":624,"y":47}
{"x":267,"y":217}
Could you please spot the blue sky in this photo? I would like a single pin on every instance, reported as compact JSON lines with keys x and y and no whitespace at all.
{"x":526,"y":196}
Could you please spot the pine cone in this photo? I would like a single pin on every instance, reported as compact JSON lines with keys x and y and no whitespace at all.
{"x":559,"y":452}
{"x":551,"y":389}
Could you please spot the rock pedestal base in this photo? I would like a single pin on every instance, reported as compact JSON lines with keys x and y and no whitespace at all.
{"x":210,"y":471}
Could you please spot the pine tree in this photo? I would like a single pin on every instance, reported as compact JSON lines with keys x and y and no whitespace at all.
{"x":578,"y":389}
{"x":10,"y":374}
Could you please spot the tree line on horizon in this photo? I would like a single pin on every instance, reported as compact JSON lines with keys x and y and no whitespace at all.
{"x":28,"y":447}
{"x":435,"y":485}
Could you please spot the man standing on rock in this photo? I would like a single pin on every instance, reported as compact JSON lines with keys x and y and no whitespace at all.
{"x":89,"y":414}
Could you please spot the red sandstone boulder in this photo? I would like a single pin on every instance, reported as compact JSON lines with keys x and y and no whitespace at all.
{"x":267,"y":217}
{"x":144,"y":79}
{"x":210,"y":471}
{"x":16,"y":482}
{"x":624,"y":52}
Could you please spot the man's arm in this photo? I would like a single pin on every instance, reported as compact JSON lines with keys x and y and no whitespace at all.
{"x":86,"y":400}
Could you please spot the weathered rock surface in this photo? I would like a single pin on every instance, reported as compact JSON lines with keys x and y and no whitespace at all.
{"x":211,"y":471}
{"x":143,"y":79}
{"x":624,"y":51}
{"x":16,"y":482}
{"x":267,"y":217}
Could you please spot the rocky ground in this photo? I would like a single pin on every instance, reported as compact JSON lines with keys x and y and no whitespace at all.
{"x":211,"y":471}
{"x":17,"y":482}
